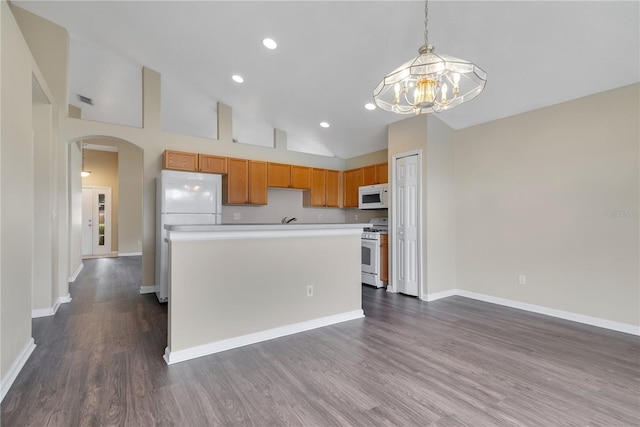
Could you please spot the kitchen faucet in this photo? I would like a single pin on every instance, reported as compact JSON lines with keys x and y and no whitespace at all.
{"x":287,"y":220}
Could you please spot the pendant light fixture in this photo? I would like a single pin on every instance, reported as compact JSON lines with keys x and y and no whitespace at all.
{"x":84,"y":173}
{"x":430,"y":82}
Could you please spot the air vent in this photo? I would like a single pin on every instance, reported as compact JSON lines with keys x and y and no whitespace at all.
{"x":85,"y":99}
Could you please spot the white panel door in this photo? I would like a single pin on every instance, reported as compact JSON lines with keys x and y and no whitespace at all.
{"x":406,"y":233}
{"x":96,"y":221}
{"x":87,"y":219}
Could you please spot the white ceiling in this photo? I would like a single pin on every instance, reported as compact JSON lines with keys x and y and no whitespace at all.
{"x":331,"y":54}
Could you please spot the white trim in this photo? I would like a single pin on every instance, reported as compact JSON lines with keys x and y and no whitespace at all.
{"x":99,"y":147}
{"x":75,"y":275}
{"x":129,"y":253}
{"x":16,"y":367}
{"x":438,"y":295}
{"x":567,"y":315}
{"x":147,"y":289}
{"x":192,"y":236}
{"x":172,"y":357}
{"x":50,"y":311}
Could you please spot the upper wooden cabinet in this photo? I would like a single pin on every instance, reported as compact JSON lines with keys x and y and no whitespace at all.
{"x":245,"y":182}
{"x":212,"y":164}
{"x":382,"y":173}
{"x":300,"y":177}
{"x":369,"y":175}
{"x":317,"y":196}
{"x":352,"y":181}
{"x":235,"y":185}
{"x":258,"y":182}
{"x":279,"y":175}
{"x":333,"y":189}
{"x":180,"y":161}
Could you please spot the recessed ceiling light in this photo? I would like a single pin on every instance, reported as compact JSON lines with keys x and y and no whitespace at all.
{"x":269,"y":44}
{"x":236,"y":78}
{"x":324,"y":124}
{"x":370,"y":106}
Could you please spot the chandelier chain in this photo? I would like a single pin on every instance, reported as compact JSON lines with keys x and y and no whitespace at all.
{"x":426,"y":21}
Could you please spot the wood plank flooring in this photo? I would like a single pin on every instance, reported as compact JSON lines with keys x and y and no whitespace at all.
{"x":450,"y":362}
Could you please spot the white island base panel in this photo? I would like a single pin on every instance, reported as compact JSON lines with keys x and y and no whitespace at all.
{"x":234,"y":286}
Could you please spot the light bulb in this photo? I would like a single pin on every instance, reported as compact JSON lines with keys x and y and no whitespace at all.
{"x":444,"y":92}
{"x":456,"y":83}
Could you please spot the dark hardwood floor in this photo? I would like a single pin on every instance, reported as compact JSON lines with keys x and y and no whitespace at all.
{"x":450,"y":362}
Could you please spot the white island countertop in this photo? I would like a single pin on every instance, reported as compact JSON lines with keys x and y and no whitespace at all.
{"x":263,"y":227}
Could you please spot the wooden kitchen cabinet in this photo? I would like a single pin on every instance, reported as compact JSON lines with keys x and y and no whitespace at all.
{"x":382,"y":173}
{"x":369,"y":175}
{"x":212,"y":164}
{"x":300,"y":177}
{"x":279,"y":175}
{"x":333,"y":189}
{"x":180,"y":161}
{"x":258,"y":176}
{"x":384,"y":258}
{"x":316,"y":196}
{"x":245,"y":182}
{"x":235,"y":184}
{"x":352,"y":181}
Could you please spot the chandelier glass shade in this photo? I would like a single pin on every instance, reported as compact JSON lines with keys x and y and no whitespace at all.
{"x":429,"y":83}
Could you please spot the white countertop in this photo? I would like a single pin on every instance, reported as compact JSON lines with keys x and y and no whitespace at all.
{"x":205,"y":228}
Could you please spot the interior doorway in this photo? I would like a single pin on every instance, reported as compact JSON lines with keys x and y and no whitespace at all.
{"x":96,"y":221}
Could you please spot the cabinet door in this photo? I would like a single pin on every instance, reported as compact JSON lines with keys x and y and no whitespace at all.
{"x":352,"y":181}
{"x":235,"y":184}
{"x":333,"y":189}
{"x":279,"y":175}
{"x":369,"y":175}
{"x":318,"y":187}
{"x":384,"y":257}
{"x":212,"y":164}
{"x":300,"y":177}
{"x":180,"y":161}
{"x":257,"y":182}
{"x":382,"y":173}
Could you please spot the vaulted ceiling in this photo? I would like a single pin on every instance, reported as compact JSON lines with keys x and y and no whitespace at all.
{"x":331,"y":54}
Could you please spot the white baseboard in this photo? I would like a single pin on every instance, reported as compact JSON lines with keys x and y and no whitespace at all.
{"x":16,"y":367}
{"x":50,"y":311}
{"x":147,"y":289}
{"x":172,"y":357}
{"x":438,"y":295}
{"x":75,"y":275}
{"x":580,"y":318}
{"x":129,"y":253}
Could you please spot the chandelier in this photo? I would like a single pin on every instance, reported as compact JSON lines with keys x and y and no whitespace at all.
{"x":430,"y":82}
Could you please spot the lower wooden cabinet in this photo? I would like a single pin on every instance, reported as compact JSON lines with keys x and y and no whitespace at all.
{"x":384,"y":258}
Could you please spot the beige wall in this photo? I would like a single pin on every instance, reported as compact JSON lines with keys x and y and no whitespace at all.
{"x":379,"y":156}
{"x":434,"y":139}
{"x":104,"y":173}
{"x":238,"y":287}
{"x":553,"y":194}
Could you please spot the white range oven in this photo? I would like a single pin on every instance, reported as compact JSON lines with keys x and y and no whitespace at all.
{"x":370,"y":243}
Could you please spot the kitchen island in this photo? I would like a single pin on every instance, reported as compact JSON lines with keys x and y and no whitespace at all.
{"x":233,"y":285}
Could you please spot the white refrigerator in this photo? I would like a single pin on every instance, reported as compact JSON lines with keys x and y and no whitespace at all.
{"x":183,"y":198}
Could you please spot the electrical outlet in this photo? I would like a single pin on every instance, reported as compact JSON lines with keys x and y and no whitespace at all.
{"x":237,"y":216}
{"x":355,"y":217}
{"x":310,"y":290}
{"x":319,"y":217}
{"x":522,"y":279}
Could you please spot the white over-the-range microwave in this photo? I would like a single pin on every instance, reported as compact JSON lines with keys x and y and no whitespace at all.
{"x":373,"y":196}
